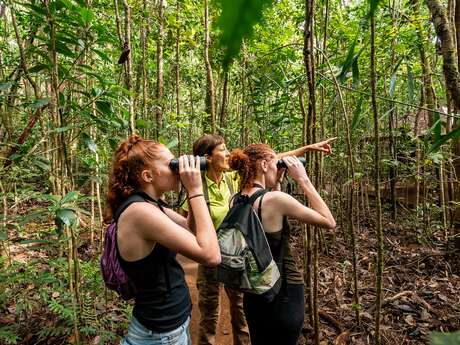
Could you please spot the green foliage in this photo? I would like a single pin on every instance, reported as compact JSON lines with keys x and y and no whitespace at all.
{"x":8,"y":334}
{"x":236,"y":23}
{"x":437,"y":338}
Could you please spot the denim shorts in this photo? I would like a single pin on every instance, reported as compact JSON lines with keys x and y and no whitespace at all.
{"x":139,"y":335}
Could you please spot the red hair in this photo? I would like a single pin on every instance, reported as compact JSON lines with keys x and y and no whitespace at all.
{"x":132,"y":156}
{"x":245,"y":162}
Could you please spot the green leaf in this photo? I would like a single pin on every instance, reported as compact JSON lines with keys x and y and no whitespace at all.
{"x":38,"y":68}
{"x":453,"y":134}
{"x":69,"y":197}
{"x":348,"y":61}
{"x":172,"y":143}
{"x":5,"y":86}
{"x":90,"y":144}
{"x":42,"y":163}
{"x":437,"y":338}
{"x":86,"y":16}
{"x":104,"y":107}
{"x":3,"y":235}
{"x":62,"y":48}
{"x":236,"y":23}
{"x":66,"y":216}
{"x":39,"y":103}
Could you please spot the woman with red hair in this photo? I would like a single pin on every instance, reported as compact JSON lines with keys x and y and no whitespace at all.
{"x":279,"y":321}
{"x":149,"y":235}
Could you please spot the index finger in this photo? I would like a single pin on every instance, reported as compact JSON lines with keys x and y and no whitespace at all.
{"x":330,"y":140}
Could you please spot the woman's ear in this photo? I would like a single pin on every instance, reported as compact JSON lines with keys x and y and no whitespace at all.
{"x":264,"y":165}
{"x":208,"y":158}
{"x":147,"y":176}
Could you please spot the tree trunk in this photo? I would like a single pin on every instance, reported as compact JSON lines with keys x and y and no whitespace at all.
{"x":448,"y":49}
{"x":179,"y":133}
{"x":224,"y":101}
{"x":160,"y":72}
{"x":210,"y":103}
{"x":129,"y":67}
{"x":378,"y":207}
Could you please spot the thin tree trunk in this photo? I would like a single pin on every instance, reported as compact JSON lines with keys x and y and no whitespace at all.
{"x":224,"y":101}
{"x":160,"y":70}
{"x":378,"y":221}
{"x":129,"y":67}
{"x":179,"y":133}
{"x":210,"y":102}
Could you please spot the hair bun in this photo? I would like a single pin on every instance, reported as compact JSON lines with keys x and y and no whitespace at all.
{"x":238,"y":160}
{"x":133,"y":140}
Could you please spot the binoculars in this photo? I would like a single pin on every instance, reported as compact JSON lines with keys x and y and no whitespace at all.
{"x":174,"y":163}
{"x":280,"y":164}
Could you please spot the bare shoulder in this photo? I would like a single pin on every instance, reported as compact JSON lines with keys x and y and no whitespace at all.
{"x":141,"y":212}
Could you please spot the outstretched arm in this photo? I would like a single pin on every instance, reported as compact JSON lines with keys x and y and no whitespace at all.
{"x":322,"y":146}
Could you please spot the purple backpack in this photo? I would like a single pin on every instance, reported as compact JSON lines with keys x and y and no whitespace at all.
{"x":112,"y":272}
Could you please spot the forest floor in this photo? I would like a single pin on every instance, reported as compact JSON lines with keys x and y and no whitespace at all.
{"x":421,"y":289}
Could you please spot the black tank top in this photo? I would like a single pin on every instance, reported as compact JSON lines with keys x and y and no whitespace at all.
{"x":162,"y":300}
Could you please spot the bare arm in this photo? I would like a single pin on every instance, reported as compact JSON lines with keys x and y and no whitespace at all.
{"x":158,"y":227}
{"x":322,"y":146}
{"x":155,"y":226}
{"x":319,"y":213}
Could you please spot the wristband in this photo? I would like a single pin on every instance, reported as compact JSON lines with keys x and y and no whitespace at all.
{"x":191,"y":197}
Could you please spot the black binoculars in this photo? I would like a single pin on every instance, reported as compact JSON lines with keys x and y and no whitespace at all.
{"x":174,"y":164}
{"x":280,"y":164}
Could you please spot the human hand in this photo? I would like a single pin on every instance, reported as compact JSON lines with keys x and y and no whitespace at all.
{"x":322,"y":146}
{"x":296,"y":169}
{"x":190,"y":175}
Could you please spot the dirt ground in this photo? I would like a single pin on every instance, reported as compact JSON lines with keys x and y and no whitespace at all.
{"x":224,"y":328}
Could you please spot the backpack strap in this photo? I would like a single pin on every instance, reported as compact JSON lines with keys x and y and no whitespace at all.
{"x":205,"y":191}
{"x":144,"y":197}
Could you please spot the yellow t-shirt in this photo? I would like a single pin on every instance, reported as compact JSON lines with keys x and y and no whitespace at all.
{"x":219,"y":196}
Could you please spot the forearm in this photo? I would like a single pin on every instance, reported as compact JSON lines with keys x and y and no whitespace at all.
{"x":205,"y":231}
{"x":296,"y":152}
{"x":316,"y":202}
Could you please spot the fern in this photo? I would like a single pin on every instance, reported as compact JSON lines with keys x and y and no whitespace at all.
{"x":8,"y":335}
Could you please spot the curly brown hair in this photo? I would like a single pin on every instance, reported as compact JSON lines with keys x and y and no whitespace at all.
{"x":131,"y":157}
{"x":245,"y":162}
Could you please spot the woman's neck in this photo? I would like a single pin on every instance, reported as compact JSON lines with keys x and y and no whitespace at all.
{"x":215,"y":175}
{"x":257,"y":181}
{"x":152,"y":192}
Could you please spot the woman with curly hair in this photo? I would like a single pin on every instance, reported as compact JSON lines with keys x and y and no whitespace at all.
{"x":279,"y":321}
{"x":149,"y":235}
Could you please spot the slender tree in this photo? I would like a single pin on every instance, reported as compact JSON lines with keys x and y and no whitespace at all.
{"x":378,"y":207}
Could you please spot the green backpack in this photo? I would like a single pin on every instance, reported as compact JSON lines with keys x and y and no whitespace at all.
{"x":247,"y":262}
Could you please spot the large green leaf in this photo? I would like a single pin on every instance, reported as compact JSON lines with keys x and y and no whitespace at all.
{"x":66,"y":216}
{"x":69,"y":197}
{"x":453,"y":134}
{"x":348,"y":61}
{"x":236,"y":23}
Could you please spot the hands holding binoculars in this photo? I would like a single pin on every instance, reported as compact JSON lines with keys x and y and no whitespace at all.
{"x":189,"y":168}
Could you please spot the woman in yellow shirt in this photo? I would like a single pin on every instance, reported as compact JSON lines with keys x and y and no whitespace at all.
{"x":220,"y":184}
